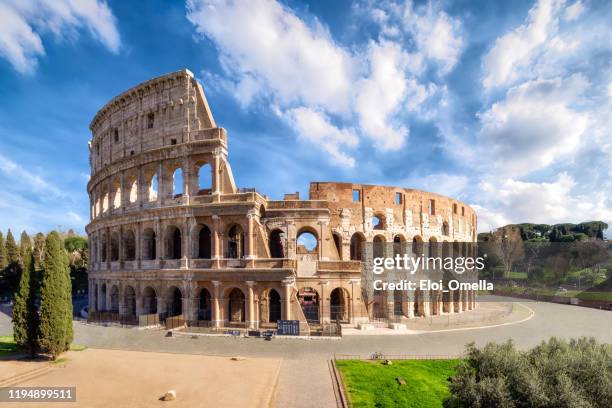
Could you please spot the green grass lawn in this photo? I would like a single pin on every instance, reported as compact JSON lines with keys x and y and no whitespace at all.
{"x":7,"y":345}
{"x":373,"y":384}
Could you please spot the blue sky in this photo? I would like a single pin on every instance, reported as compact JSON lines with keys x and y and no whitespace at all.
{"x":505,"y":105}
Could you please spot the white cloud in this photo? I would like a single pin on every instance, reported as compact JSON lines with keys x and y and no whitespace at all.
{"x":24,"y":21}
{"x":574,"y":11}
{"x":315,"y":127}
{"x":21,"y":177}
{"x":533,"y":126}
{"x":516,"y":50}
{"x":270,"y":54}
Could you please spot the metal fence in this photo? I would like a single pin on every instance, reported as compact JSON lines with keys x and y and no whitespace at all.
{"x":112,"y":318}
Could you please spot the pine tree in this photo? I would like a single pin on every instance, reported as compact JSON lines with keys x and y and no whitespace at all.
{"x":39,"y":249}
{"x":25,"y":245}
{"x":55,"y":331}
{"x":12,"y":252}
{"x":3,"y":261}
{"x":25,"y":314}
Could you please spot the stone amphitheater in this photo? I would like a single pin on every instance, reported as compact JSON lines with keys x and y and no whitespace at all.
{"x":172,"y":235}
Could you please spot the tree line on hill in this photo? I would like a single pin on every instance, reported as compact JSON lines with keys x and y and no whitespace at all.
{"x":552,"y":233}
{"x":38,"y":276}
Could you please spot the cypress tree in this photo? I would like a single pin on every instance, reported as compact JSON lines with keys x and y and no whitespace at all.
{"x":12,"y":252}
{"x":55,"y":330}
{"x":12,"y":272}
{"x":25,"y":314}
{"x":3,"y":261}
{"x":39,"y":250}
{"x":25,"y":244}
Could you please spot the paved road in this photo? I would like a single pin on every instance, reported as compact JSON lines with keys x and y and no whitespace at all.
{"x":305,"y":370}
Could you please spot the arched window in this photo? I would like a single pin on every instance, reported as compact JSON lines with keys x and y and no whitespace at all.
{"x":236,"y":306}
{"x":204,"y":243}
{"x":204,"y":179}
{"x":149,"y":300}
{"x":114,"y":247}
{"x":177,"y":183}
{"x":307,"y":243}
{"x":153,"y":188}
{"x":417,"y":246}
{"x":377,"y":222}
{"x":105,"y":203}
{"x":235,"y":242}
{"x":149,"y":250}
{"x":445,"y":230}
{"x":103,"y":248}
{"x":134,"y":191}
{"x":117,"y":198}
{"x":277,"y":244}
{"x":433,"y":250}
{"x":174,"y":243}
{"x":357,"y":241}
{"x":175,"y":301}
{"x":379,"y":246}
{"x":129,"y":246}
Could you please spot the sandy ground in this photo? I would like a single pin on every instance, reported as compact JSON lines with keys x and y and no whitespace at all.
{"x":117,"y":378}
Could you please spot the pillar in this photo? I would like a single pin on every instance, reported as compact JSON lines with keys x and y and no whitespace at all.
{"x":324,"y":314}
{"x":216,"y":241}
{"x":250,"y":244}
{"x":286,"y":310}
{"x":216,"y":314}
{"x":251,"y":322}
{"x":215,"y":168}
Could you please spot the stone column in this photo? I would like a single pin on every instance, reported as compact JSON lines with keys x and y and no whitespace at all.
{"x":250,"y":244}
{"x":251,"y":323}
{"x":324,"y":316}
{"x":216,"y":314}
{"x":410,"y":304}
{"x":215,"y":168}
{"x":216,"y":241}
{"x":161,"y":303}
{"x":162,"y":188}
{"x":99,"y":297}
{"x":426,"y":303}
{"x":286,"y":310}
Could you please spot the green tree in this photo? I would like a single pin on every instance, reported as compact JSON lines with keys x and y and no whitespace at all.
{"x":55,"y":331}
{"x":25,"y":313}
{"x":25,"y":245}
{"x":3,"y":261}
{"x":12,"y":271}
{"x":12,"y":251}
{"x":39,"y":249}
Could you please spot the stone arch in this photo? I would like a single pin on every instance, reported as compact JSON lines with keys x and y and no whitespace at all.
{"x":149,"y":300}
{"x":153,"y":187}
{"x":103,"y":247}
{"x":204,"y":305}
{"x":445,"y":229}
{"x":114,"y":246}
{"x":149,"y":244}
{"x":310,"y":302}
{"x":129,"y":245}
{"x":132,"y":183}
{"x":236,"y":305}
{"x":204,"y":172}
{"x":357,"y":241}
{"x":114,"y":299}
{"x":116,"y":194}
{"x":419,"y":303}
{"x":433,"y":247}
{"x":235,"y":242}
{"x":174,"y":301}
{"x":203,"y":242}
{"x":417,"y":245}
{"x":339,"y":301}
{"x":378,"y":222}
{"x":307,"y":241}
{"x":178,"y":184}
{"x":399,"y":244}
{"x":270,"y":305}
{"x":378,"y":246}
{"x":276,"y":243}
{"x":130,"y":301}
{"x":174,"y":242}
{"x":103,"y":297}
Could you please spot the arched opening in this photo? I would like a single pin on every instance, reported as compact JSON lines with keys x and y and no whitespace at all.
{"x":398,"y":244}
{"x":236,"y":306}
{"x":149,"y":250}
{"x":357,"y":241}
{"x":397,"y":303}
{"x":174,"y":243}
{"x":105,"y":203}
{"x":277,"y":244}
{"x":104,"y":248}
{"x":377,"y":222}
{"x":204,"y":179}
{"x":175,"y":302}
{"x":235,"y":242}
{"x":153,"y":188}
{"x":417,"y":246}
{"x":149,"y":301}
{"x":129,"y":245}
{"x":130,"y":301}
{"x":274,"y":306}
{"x":309,"y":300}
{"x":445,"y":229}
{"x":103,"y":297}
{"x":433,"y":248}
{"x":307,"y":242}
{"x":116,"y":196}
{"x":446,"y":301}
{"x":204,"y":243}
{"x":204,"y":310}
{"x":114,"y":299}
{"x":114,"y":247}
{"x":379,"y":246}
{"x":133,"y":191}
{"x":339,"y":301}
{"x":177,"y":183}
{"x":419,"y":303}
{"x":338,"y":244}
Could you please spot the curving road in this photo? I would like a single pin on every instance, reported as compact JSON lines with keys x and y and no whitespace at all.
{"x":305,"y":370}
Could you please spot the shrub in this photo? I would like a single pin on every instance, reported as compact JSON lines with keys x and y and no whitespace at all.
{"x":554,"y":374}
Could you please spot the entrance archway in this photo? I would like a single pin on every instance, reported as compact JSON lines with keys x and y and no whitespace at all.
{"x":338,"y":300}
{"x":149,"y":301}
{"x":204,"y":311}
{"x":175,"y":302}
{"x":114,"y":299}
{"x":130,"y":301}
{"x":309,"y":301}
{"x":274,"y":306}
{"x":236,"y":306}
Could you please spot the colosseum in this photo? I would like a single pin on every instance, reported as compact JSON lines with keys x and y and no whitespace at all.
{"x":172,"y":235}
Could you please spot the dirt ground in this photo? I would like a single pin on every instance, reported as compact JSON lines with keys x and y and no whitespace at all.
{"x":117,"y":378}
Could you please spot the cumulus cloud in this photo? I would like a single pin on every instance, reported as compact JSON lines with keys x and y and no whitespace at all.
{"x":273,"y":55}
{"x":516,"y":49}
{"x":533,"y":125}
{"x":574,"y":11}
{"x":24,"y":21}
{"x":23,"y":177}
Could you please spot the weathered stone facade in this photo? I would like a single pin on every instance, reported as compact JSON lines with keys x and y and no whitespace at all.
{"x":171,"y":233}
